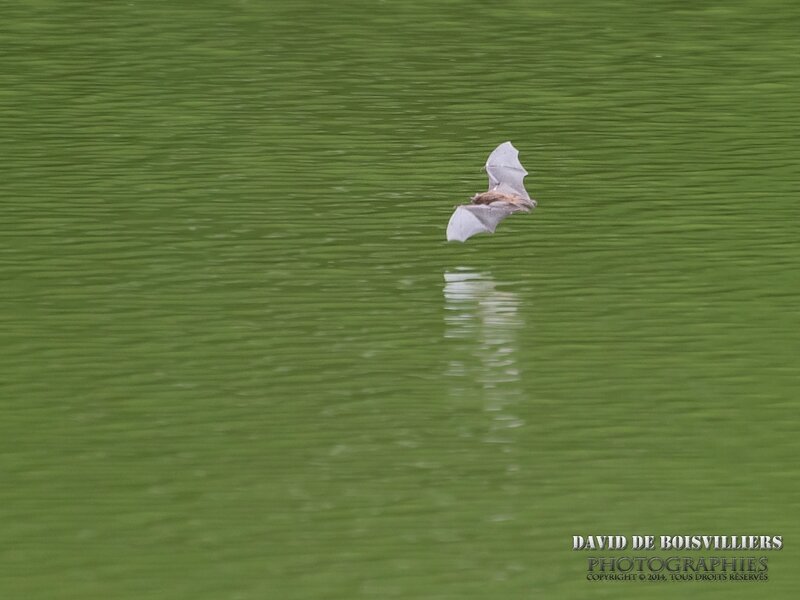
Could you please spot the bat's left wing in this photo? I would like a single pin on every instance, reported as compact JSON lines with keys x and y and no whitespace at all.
{"x":471,"y":219}
{"x":506,"y":173}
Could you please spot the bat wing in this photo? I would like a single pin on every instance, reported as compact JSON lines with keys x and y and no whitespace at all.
{"x":505,"y":172}
{"x":471,"y":219}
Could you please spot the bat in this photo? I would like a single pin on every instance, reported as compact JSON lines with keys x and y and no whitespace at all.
{"x":506,"y":195}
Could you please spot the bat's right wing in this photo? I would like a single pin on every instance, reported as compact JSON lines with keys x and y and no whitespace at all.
{"x":505,"y":172}
{"x":471,"y":219}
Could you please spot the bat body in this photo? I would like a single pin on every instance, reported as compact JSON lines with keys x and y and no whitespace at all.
{"x":506,"y":195}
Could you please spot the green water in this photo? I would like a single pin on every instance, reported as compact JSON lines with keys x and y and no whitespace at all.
{"x":239,"y":360}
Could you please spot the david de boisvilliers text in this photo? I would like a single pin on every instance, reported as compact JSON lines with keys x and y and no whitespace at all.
{"x":678,"y":542}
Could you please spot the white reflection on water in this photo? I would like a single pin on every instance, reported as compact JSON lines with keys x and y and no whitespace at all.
{"x":484,"y":323}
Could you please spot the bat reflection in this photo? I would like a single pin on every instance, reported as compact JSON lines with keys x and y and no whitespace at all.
{"x":483,"y":323}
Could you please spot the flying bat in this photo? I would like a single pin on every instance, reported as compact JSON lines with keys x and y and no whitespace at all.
{"x":505,"y":196}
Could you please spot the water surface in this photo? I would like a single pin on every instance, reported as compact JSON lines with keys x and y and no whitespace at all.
{"x":240,"y":360}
